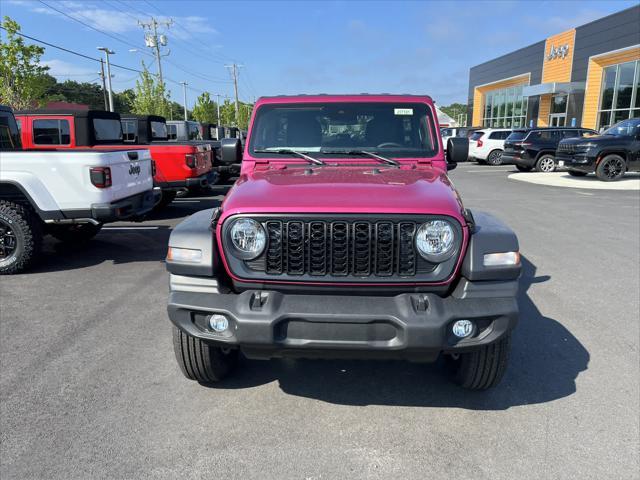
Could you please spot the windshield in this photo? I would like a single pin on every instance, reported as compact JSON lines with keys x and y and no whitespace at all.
{"x":159,"y":130}
{"x":107,"y":129}
{"x":387,"y":128}
{"x":626,"y":128}
{"x":517,"y":135}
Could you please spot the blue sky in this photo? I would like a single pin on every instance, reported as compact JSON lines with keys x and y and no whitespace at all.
{"x":302,"y":47}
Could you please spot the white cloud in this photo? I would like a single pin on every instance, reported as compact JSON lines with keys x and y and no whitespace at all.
{"x":119,"y":20}
{"x":66,"y":70}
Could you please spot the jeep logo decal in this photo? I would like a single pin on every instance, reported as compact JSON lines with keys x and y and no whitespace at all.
{"x":134,"y":169}
{"x":558,"y":52}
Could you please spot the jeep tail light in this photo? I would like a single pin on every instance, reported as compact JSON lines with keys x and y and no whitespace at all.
{"x":480,"y":143}
{"x":191,"y":161}
{"x":100,"y":177}
{"x":153,"y":168}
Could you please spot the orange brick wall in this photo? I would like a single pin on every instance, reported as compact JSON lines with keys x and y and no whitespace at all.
{"x":558,"y":69}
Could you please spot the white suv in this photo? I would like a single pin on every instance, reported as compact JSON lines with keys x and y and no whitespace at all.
{"x":487,"y":145}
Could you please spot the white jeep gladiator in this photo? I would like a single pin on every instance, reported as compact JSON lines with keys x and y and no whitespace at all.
{"x":65,"y":194}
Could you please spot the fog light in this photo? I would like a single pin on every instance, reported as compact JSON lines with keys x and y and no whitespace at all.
{"x":462,"y":328}
{"x":218,"y":323}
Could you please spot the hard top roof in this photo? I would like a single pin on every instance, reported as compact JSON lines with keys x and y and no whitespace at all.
{"x":70,"y":112}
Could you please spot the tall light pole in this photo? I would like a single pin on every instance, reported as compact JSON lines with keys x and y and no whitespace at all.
{"x":218,"y":105}
{"x":184,"y":96}
{"x":108,"y":52}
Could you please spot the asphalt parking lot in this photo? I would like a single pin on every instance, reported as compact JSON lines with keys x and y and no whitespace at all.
{"x":90,"y":388}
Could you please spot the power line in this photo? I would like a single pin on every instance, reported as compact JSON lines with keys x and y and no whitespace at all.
{"x":87,"y":25}
{"x":72,"y":52}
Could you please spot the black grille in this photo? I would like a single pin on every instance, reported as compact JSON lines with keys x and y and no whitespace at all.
{"x":566,"y":148}
{"x":342,"y":248}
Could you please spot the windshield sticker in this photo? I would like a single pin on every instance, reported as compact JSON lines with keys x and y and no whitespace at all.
{"x":403,"y":111}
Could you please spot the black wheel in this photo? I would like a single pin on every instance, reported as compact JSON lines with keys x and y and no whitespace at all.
{"x":482,"y":368}
{"x":167,"y":197}
{"x":574,"y":173}
{"x":495,"y":157}
{"x":546,"y":163}
{"x":20,"y":237}
{"x":200,"y":361}
{"x":610,"y":168}
{"x":523,"y":169}
{"x":75,"y":233}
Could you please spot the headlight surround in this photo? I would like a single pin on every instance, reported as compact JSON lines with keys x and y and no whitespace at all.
{"x":248,"y":238}
{"x":436,"y":240}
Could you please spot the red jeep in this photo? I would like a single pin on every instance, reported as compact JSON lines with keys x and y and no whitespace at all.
{"x":344,"y":237}
{"x":179,"y":166}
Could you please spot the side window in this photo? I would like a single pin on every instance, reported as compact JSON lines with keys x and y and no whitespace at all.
{"x":499,"y":135}
{"x":129,"y":131}
{"x":6,"y":142}
{"x":51,"y":132}
{"x":172,"y":132}
{"x":571,"y":134}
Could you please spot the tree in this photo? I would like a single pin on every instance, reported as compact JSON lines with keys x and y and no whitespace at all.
{"x":205,"y":109}
{"x":228,"y":114}
{"x":454,"y":110}
{"x":22,"y":78}
{"x":150,"y":96}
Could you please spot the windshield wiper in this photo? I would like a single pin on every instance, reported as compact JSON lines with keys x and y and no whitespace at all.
{"x":366,"y":153}
{"x":288,"y":151}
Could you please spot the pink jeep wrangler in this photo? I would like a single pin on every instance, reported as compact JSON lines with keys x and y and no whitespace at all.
{"x":344,"y":238}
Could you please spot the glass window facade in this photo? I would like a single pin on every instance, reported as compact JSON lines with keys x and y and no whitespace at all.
{"x":505,"y":108}
{"x":620,"y":96}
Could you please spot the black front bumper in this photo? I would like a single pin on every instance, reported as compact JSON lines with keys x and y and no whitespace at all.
{"x":580,"y":162}
{"x":266,"y":324}
{"x":201,"y":181}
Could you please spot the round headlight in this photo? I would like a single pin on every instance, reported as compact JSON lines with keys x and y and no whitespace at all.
{"x":248,"y":238}
{"x":435,"y":240}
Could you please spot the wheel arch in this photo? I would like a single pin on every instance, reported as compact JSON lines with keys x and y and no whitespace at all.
{"x":15,"y":192}
{"x":545,"y":152}
{"x":606,"y":153}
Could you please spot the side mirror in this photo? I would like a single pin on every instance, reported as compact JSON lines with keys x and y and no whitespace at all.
{"x":457,"y":151}
{"x":230,"y":151}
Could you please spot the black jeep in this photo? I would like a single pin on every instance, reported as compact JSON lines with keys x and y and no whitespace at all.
{"x":534,"y":148}
{"x":609,"y":155}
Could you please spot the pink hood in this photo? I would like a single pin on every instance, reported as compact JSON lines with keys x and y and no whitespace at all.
{"x":345,"y":189}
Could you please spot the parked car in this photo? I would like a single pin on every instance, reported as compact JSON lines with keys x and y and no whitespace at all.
{"x":486,"y":146}
{"x":457,"y":132}
{"x":609,"y":155}
{"x":535,"y":148}
{"x":344,"y":238}
{"x":69,"y":195}
{"x":179,"y":166}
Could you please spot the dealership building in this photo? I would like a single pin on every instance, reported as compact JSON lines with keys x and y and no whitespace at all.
{"x":588,"y":76}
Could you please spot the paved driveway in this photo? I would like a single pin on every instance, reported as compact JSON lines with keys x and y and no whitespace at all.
{"x":90,"y":388}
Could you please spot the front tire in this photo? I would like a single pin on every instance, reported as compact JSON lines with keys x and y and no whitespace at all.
{"x":20,"y":237}
{"x":483,"y":368}
{"x":76,"y":233}
{"x":611,"y":168}
{"x":546,"y":164}
{"x":201,"y":361}
{"x":495,"y":158}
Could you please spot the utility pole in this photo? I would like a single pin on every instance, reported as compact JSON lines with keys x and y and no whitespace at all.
{"x":155,"y":41}
{"x":104,"y":85}
{"x":184,"y":96}
{"x":108,"y":52}
{"x":234,"y":74}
